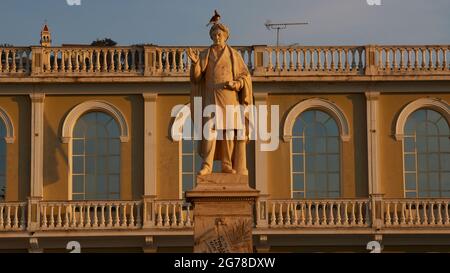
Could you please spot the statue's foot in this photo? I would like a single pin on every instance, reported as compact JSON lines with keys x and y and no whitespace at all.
{"x":204,"y":171}
{"x":243,"y":172}
{"x":227,"y":169}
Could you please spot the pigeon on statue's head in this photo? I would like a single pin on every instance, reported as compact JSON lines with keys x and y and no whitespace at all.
{"x":215,"y":19}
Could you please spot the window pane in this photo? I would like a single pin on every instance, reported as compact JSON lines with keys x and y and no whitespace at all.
{"x":410,"y":195}
{"x":334,"y":182}
{"x":114,"y":146}
{"x":78,"y":164}
{"x":90,"y":164}
{"x":410,"y":163}
{"x":433,"y":162}
{"x":188,"y":182}
{"x":444,"y":143}
{"x":443,"y":127}
{"x":102,"y":146}
{"x":297,"y":195}
{"x":321,"y":163}
{"x":78,"y":184}
{"x":187,"y":163}
{"x":445,"y":162}
{"x":297,"y":145}
{"x":78,"y":147}
{"x":91,"y":146}
{"x":410,"y":144}
{"x":297,"y":163}
{"x":114,"y":183}
{"x":113,"y":129}
{"x":321,"y":145}
{"x":298,"y":182}
{"x":433,"y":144}
{"x":410,"y":181}
{"x":187,"y":146}
{"x":332,"y":128}
{"x":298,"y":128}
{"x":114,"y":164}
{"x":333,"y":145}
{"x":310,"y":163}
{"x":333,"y":163}
{"x":101,"y":165}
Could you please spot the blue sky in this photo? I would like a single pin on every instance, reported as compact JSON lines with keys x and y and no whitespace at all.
{"x":182,"y":22}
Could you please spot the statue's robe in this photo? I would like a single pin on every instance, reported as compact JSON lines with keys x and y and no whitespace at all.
{"x":209,"y":76}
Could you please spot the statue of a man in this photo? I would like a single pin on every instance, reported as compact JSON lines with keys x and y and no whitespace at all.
{"x":220,"y":77}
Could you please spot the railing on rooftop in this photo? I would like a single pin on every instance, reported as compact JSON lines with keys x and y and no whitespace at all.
{"x":267,"y":61}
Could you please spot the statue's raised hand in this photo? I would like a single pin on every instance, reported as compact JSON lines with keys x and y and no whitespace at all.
{"x":193,"y":54}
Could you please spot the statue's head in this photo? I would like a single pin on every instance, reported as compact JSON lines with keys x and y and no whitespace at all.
{"x":219,"y":33}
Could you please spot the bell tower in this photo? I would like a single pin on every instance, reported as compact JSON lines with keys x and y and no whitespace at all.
{"x":46,"y":36}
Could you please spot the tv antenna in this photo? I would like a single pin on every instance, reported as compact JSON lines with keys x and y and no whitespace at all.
{"x":269,"y":25}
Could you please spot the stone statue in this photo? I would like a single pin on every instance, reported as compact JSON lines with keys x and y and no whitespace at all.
{"x":220,"y":77}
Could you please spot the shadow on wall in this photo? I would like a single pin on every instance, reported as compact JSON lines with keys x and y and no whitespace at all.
{"x":360,"y":144}
{"x":137,"y":146}
{"x":53,"y":147}
{"x":23,"y":129}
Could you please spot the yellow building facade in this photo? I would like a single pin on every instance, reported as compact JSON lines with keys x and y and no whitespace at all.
{"x":371,"y":189}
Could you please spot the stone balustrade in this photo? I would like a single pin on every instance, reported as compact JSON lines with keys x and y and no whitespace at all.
{"x":92,"y":60}
{"x":412,"y":59}
{"x":173,"y":214}
{"x":12,"y":216}
{"x":371,"y":213}
{"x":319,"y":213}
{"x":416,"y":212}
{"x":15,"y":61}
{"x":90,"y":215}
{"x":291,"y":62}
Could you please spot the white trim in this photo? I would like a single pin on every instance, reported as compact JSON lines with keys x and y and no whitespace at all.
{"x":80,"y":109}
{"x":9,"y":138}
{"x":436,"y":104}
{"x":321,"y":104}
{"x":150,"y":144}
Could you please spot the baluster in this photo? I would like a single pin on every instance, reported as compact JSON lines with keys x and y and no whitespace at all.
{"x":430,"y":52}
{"x":174,"y":60}
{"x":324,"y":212}
{"x":138,"y":214}
{"x":88,"y":215}
{"x":110,"y":222}
{"x":91,"y":60}
{"x":325,"y":63}
{"x":249,"y":63}
{"x":291,"y":60}
{"x":174,"y":215}
{"x":402,"y":63}
{"x":311,"y":59}
{"x":22,"y":217}
{"x":159,"y":60}
{"x":167,"y":60}
{"x":317,"y":218}
{"x":425,"y":214}
{"x":288,"y":212}
{"x":119,"y":60}
{"x":416,"y":59}
{"x":166,"y":216}
{"x":14,"y":68}
{"x":103,"y":215}
{"x":432,"y":216}
{"x":44,"y":215}
{"x":305,"y":60}
{"x":124,"y":219}
{"x":388,"y":214}
{"x":84,"y":61}
{"x":302,"y":214}
{"x":446,"y":214}
{"x":73,"y":210}
{"x":277,"y":60}
{"x":180,"y":212}
{"x":269,"y":59}
{"x":133,"y":60}
{"x":7,"y":60}
{"x":16,"y":214}
{"x":319,"y":60}
{"x":332,"y":67}
{"x":346,"y":218}
{"x":354,"y":54}
{"x":409,"y":220}
{"x":181,"y":60}
{"x":280,"y":214}
{"x":338,"y":214}
{"x":444,"y":62}
{"x":140,"y":60}
{"x":439,"y":207}
{"x":409,"y":52}
{"x":160,"y":220}
{"x":52,"y":218}
{"x":394,"y":59}
{"x":95,"y":223}
{"x":346,"y":56}
{"x":66,"y":217}
{"x":353,"y":214}
{"x":438,"y":59}
{"x":285,"y":63}
{"x":360,"y":216}
{"x":131,"y":222}
{"x":20,"y":55}
{"x":117,"y":217}
{"x":188,"y":216}
{"x":309,"y":223}
{"x":295,"y":214}
{"x":339,"y":51}
{"x":424,"y":66}
{"x":402,"y":217}
{"x":395,"y":214}
{"x":1,"y":215}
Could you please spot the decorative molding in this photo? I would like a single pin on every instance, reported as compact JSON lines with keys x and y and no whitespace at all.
{"x":82,"y":108}
{"x":320,"y":104}
{"x":436,"y":104}
{"x":9,"y":137}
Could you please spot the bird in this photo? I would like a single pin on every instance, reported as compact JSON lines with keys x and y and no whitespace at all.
{"x":214,"y":19}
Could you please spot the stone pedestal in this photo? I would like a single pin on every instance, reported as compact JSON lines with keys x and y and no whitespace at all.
{"x":223,"y":213}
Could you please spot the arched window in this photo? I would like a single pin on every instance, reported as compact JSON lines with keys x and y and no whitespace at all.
{"x":426,"y":146}
{"x":191,"y":162}
{"x":2,"y":160}
{"x":96,"y":157}
{"x":315,"y":156}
